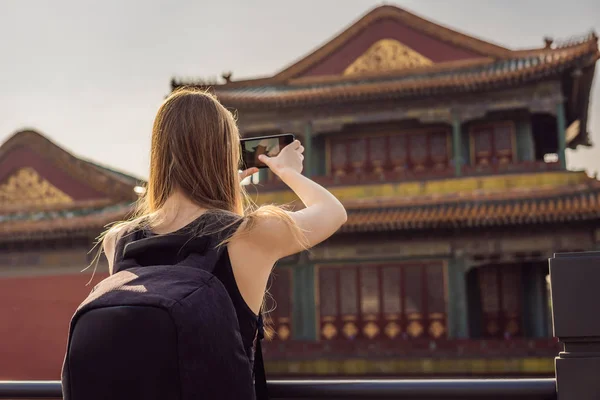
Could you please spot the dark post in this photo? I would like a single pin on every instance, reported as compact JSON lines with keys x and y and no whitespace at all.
{"x":575,"y":288}
{"x":561,"y":126}
{"x":457,"y":145}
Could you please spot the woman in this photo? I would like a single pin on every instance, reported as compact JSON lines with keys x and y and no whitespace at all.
{"x":194,"y":188}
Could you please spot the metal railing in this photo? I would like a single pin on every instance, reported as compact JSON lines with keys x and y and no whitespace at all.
{"x":575,"y":283}
{"x":513,"y":389}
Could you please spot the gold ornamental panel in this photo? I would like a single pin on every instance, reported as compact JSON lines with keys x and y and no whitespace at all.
{"x":392,"y":330}
{"x":436,"y":329}
{"x":283,"y":332}
{"x":329,"y":331}
{"x":386,"y":55}
{"x":371,"y":330}
{"x":350,"y":330}
{"x":26,"y":188}
{"x":415,"y":329}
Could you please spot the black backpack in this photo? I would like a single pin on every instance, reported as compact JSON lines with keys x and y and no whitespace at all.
{"x":163,"y":327}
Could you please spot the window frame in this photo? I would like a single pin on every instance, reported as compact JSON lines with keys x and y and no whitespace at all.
{"x":383,"y":319}
{"x":493,"y":153}
{"x":388,"y":166}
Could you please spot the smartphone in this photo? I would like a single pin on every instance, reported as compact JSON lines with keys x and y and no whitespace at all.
{"x":268,"y":145}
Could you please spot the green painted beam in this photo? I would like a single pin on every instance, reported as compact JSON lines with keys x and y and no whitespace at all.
{"x":310,"y":315}
{"x":457,"y":146}
{"x":304,"y":305}
{"x":562,"y":139}
{"x":297,"y":303}
{"x":457,"y":300}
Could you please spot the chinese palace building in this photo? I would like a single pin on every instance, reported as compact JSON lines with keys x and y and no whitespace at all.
{"x":449,"y":154}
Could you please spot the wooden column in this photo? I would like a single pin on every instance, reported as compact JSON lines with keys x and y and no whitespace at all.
{"x":575,"y":282}
{"x":457,"y":298}
{"x":304,"y":304}
{"x":525,"y":144}
{"x":457,"y":145}
{"x":535,"y":305}
{"x":561,"y":127}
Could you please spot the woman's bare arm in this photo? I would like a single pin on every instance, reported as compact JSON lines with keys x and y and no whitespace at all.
{"x":322,"y":217}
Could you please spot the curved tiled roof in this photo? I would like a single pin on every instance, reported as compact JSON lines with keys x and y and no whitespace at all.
{"x":568,"y":206}
{"x":51,"y":224}
{"x":469,"y":76}
{"x":87,"y":217}
{"x":115,"y":185}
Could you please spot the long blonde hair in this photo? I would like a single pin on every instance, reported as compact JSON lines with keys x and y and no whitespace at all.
{"x":196,"y":149}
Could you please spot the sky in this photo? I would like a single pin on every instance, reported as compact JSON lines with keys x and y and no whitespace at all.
{"x":90,"y":75}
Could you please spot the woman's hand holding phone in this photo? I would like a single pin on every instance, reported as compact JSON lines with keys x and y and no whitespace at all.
{"x":290,"y":158}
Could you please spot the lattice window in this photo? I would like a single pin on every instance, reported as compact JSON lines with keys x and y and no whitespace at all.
{"x":382,"y":301}
{"x":378,"y":152}
{"x":417,"y":146}
{"x":438,"y":144}
{"x":339,"y":158}
{"x":493,"y":143}
{"x":398,"y":150}
{"x":392,"y":298}
{"x":501,"y":306}
{"x":419,"y":152}
{"x":281,"y":295}
{"x":349,"y":294}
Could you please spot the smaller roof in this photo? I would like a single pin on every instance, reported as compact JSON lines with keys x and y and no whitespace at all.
{"x":580,"y":202}
{"x":45,"y":191}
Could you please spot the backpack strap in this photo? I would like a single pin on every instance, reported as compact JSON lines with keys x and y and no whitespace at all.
{"x":172,"y":249}
{"x":122,"y":241}
{"x":260,"y":378}
{"x":175,"y":247}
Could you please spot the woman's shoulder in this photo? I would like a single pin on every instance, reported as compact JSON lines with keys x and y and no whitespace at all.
{"x":114,"y":234}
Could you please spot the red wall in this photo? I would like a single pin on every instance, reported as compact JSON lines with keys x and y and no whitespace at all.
{"x":434,"y":49}
{"x":34,"y":322}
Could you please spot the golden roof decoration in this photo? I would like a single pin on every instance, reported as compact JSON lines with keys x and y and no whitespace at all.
{"x":27,"y":188}
{"x":386,"y":55}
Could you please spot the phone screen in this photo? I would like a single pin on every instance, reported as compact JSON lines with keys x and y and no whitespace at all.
{"x":268,"y":145}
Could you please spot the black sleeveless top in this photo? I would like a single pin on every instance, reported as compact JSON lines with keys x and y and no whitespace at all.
{"x":249,"y":322}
